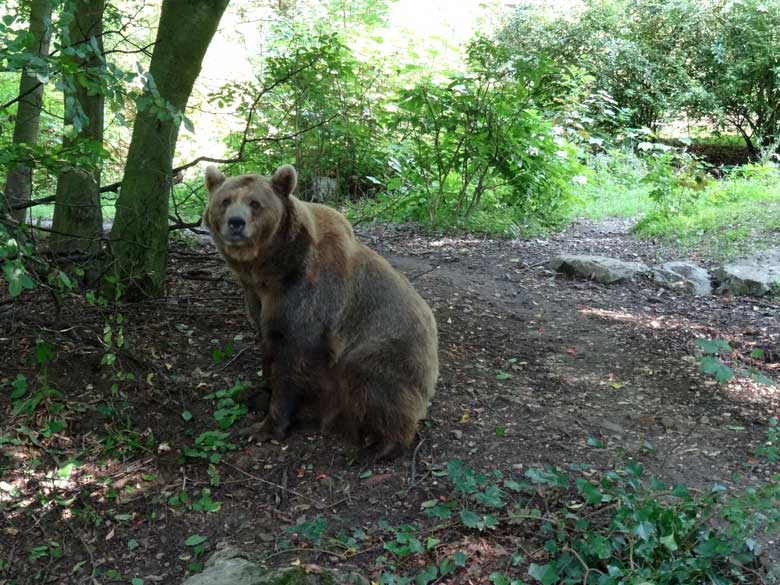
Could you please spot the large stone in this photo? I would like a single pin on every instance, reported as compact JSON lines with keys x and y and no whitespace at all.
{"x":229,"y":567}
{"x":683,"y":275}
{"x":599,"y":268}
{"x":753,"y":276}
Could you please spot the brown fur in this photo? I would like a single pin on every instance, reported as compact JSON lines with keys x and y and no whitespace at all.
{"x":340,"y":327}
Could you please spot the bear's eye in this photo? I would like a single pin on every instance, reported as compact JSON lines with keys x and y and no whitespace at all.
{"x":255,"y":205}
{"x":225,"y":202}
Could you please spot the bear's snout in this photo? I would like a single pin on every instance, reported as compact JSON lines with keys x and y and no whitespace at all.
{"x":236,"y":225}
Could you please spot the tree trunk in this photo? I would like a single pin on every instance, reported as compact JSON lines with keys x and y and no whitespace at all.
{"x":139,"y":238}
{"x":78,"y":217}
{"x":18,"y":181}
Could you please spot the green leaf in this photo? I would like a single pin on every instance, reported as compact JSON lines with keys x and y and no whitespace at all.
{"x":498,"y":579}
{"x":503,"y":376}
{"x":759,"y":377}
{"x":517,"y":558}
{"x":446,"y":566}
{"x":492,"y":497}
{"x":713,"y":346}
{"x":195,"y":540}
{"x":137,"y":581}
{"x":44,"y":352}
{"x":66,"y":470}
{"x":186,"y":415}
{"x":592,"y":493}
{"x":595,"y":443}
{"x":515,"y":486}
{"x":635,"y":469}
{"x":545,"y":574}
{"x":132,"y":544}
{"x":724,"y":374}
{"x":20,"y":387}
{"x":600,"y":546}
{"x":644,"y":530}
{"x":710,"y":364}
{"x":669,"y":542}
{"x":470,"y":519}
{"x":17,"y":278}
{"x":427,"y":575}
{"x":757,"y":354}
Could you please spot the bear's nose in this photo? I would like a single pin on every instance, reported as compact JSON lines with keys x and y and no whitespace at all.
{"x":236,"y":224}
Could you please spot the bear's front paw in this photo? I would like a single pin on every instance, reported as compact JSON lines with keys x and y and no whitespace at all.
{"x":371,"y":454}
{"x":262,"y":431}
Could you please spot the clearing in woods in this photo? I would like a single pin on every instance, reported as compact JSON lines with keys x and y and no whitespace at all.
{"x":536,"y":369}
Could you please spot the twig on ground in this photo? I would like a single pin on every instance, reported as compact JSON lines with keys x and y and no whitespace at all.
{"x":234,"y":358}
{"x":277,"y":486}
{"x":423,"y":273}
{"x":414,"y":462}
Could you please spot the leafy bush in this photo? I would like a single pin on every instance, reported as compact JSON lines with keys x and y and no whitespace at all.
{"x":736,"y":67}
{"x":710,"y":60}
{"x":314,"y":105}
{"x":13,"y":250}
{"x":676,"y":178}
{"x":612,"y":185}
{"x":619,"y":527}
{"x":722,"y":216}
{"x":632,"y":48}
{"x":476,"y":152}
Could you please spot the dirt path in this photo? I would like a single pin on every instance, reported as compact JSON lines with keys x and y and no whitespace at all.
{"x":613,"y":363}
{"x":535,"y":369}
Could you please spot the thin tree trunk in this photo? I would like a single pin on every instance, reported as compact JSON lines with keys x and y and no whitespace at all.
{"x":78,"y":217}
{"x":18,"y":182}
{"x":139,"y":238}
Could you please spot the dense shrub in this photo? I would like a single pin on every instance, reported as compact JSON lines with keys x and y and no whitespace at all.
{"x":660,"y":60}
{"x":477,"y":151}
{"x":314,"y":105}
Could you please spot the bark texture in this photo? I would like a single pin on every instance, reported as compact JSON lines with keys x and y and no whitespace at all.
{"x":139,"y":238}
{"x":78,"y":216}
{"x":18,"y":183}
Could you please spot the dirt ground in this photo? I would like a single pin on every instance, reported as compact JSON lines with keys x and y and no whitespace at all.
{"x":533,"y":365}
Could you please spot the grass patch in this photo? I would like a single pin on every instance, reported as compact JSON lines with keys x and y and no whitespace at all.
{"x":738,"y":214}
{"x":614,"y":187}
{"x":494,"y":216}
{"x":731,"y":140}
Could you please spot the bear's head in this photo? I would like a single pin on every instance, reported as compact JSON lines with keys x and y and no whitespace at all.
{"x":244,"y":213}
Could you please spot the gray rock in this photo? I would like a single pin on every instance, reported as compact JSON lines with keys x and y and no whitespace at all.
{"x":752,"y":276}
{"x":613,"y":428}
{"x":599,"y":268}
{"x":229,"y":567}
{"x":683,"y":275}
{"x":230,"y":571}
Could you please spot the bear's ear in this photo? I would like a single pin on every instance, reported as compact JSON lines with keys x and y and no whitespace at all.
{"x":284,"y":180}
{"x":214,"y":178}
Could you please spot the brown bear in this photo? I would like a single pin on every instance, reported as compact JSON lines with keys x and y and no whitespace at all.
{"x":341,"y":329}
